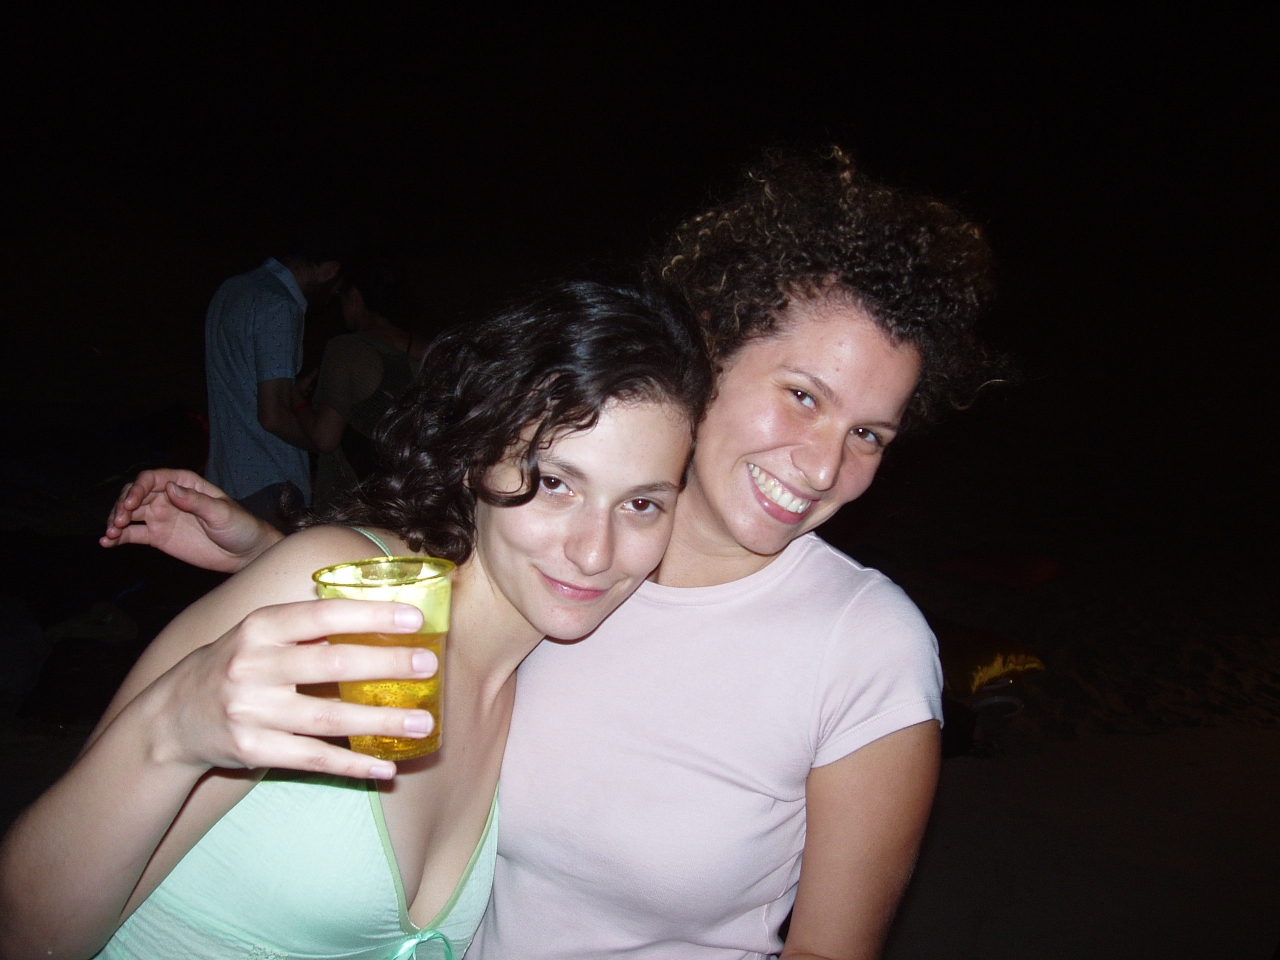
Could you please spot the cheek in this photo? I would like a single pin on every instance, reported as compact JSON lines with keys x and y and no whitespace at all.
{"x":856,"y":476}
{"x":751,"y":431}
{"x":518,"y":532}
{"x":644,"y":549}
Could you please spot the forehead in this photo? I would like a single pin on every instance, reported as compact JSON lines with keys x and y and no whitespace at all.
{"x":615,"y":415}
{"x":830,"y":347}
{"x":824,"y":328}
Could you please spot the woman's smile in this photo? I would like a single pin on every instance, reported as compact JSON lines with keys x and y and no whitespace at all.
{"x":572,"y":592}
{"x":797,"y":429}
{"x":780,"y":502}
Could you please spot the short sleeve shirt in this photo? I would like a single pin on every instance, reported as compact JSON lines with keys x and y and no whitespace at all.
{"x":654,"y":778}
{"x":253,"y":333}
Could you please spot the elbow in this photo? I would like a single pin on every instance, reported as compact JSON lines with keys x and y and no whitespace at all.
{"x":21,"y":939}
{"x":22,"y":934}
{"x":270,"y":421}
{"x":28,"y":933}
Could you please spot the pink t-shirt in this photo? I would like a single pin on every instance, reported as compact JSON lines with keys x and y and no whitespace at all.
{"x":654,"y":781}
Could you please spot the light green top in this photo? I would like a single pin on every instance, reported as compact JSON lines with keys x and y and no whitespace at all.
{"x":302,"y":867}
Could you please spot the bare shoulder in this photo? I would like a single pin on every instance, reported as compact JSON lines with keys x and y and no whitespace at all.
{"x":285,"y":568}
{"x":282,"y":574}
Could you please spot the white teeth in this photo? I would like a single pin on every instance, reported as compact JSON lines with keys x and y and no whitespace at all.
{"x":776,"y":492}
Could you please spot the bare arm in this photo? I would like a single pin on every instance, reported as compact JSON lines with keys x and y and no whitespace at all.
{"x":182,"y":514}
{"x":866,"y":817}
{"x":275,"y":413}
{"x":168,"y":758}
{"x":323,"y":422}
{"x":324,"y":425}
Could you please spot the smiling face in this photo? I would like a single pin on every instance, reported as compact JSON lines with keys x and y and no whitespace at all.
{"x":598,"y":525}
{"x":797,"y":430}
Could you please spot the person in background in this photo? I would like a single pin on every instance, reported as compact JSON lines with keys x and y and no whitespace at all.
{"x":362,"y":374}
{"x":253,"y":351}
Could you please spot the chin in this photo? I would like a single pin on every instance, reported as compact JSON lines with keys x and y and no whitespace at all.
{"x":568,"y":628}
{"x":767,"y":543}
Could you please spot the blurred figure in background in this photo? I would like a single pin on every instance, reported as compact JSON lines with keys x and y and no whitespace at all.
{"x":253,"y":352}
{"x":363,"y":373}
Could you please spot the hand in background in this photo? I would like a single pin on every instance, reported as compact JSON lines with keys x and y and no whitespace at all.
{"x":304,"y":387}
{"x":185,"y":516}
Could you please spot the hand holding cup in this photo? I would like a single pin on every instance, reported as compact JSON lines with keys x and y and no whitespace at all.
{"x":234,"y":702}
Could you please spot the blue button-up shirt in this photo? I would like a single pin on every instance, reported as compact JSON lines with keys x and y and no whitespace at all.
{"x":252,"y":333}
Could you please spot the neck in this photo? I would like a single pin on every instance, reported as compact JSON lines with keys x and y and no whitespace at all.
{"x":301,"y":272}
{"x":703,"y":552}
{"x":488,"y":638}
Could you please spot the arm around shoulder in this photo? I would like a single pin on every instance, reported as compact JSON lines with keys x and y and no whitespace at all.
{"x":180,"y":513}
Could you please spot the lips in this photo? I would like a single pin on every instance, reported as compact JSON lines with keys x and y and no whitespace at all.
{"x":572,"y":592}
{"x":792,"y":506}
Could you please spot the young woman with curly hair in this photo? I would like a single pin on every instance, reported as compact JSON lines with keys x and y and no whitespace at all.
{"x":542,"y":452}
{"x":759,"y":726}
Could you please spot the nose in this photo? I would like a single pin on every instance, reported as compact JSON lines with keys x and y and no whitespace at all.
{"x":820,"y":457}
{"x":589,"y":544}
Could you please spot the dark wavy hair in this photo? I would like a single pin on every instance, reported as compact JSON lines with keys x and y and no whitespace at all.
{"x":551,"y":362}
{"x":810,"y":226}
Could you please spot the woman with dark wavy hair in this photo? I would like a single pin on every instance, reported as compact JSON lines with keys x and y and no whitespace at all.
{"x":542,"y":452}
{"x":759,"y":726}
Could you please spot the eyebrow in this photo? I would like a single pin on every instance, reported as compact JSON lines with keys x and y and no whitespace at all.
{"x":822,"y":387}
{"x":818,"y":383}
{"x":573,"y":473}
{"x":662,"y":486}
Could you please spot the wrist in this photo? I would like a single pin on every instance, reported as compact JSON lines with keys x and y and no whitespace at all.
{"x":157,"y":711}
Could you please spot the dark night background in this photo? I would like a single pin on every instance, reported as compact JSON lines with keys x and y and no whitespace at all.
{"x":1124,"y":167}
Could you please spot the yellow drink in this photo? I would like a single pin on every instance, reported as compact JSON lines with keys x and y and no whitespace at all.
{"x":422,"y":582}
{"x":410,"y":694}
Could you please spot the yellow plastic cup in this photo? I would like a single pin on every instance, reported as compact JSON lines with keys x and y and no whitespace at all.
{"x":424,"y":583}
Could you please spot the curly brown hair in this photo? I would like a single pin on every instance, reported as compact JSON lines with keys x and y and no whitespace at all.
{"x":551,"y":362}
{"x":808,"y":226}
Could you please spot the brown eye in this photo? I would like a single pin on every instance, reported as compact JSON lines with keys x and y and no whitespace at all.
{"x":869,"y":436}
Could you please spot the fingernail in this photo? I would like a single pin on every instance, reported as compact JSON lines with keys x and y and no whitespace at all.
{"x":406,"y":616}
{"x":382,"y":771}
{"x":424,"y":661}
{"x":418,"y":723}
